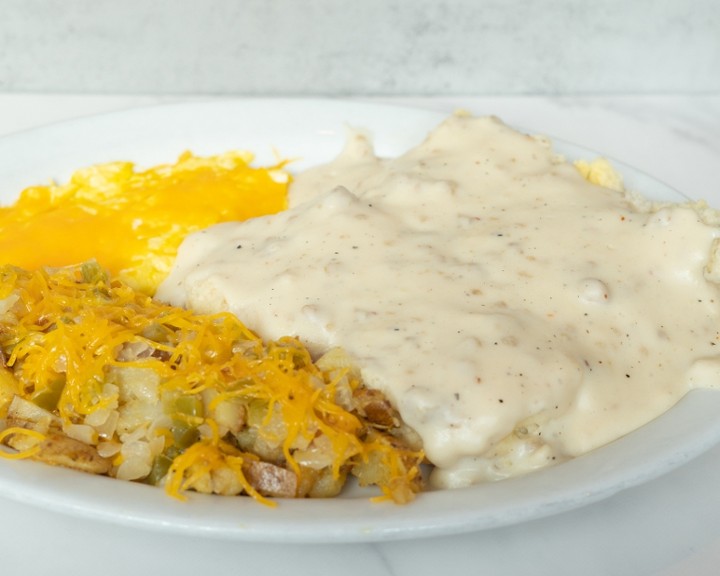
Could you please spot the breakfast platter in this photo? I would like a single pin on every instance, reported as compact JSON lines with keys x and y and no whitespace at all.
{"x":311,"y":133}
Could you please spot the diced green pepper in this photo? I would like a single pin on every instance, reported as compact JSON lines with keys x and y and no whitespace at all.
{"x":48,"y":398}
{"x":190,"y":405}
{"x":184,"y":435}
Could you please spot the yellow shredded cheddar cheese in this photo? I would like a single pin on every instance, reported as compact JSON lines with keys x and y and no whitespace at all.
{"x":30,"y":452}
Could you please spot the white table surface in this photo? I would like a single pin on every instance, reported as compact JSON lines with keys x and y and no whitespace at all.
{"x":669,"y":527}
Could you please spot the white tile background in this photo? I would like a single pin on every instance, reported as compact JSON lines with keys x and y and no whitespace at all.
{"x":368,"y":47}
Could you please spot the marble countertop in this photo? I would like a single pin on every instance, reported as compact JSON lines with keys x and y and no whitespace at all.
{"x":668,"y":527}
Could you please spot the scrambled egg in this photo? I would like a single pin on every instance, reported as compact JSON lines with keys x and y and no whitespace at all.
{"x":132,"y":222}
{"x":601,"y":172}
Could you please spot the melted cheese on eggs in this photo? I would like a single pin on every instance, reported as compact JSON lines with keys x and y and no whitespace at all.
{"x":132,"y":221}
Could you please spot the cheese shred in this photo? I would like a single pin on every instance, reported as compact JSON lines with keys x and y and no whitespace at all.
{"x":29,"y":452}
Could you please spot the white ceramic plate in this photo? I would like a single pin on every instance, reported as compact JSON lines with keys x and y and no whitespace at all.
{"x":314,"y":131}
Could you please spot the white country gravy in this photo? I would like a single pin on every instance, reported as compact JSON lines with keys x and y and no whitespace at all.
{"x":516,"y":314}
